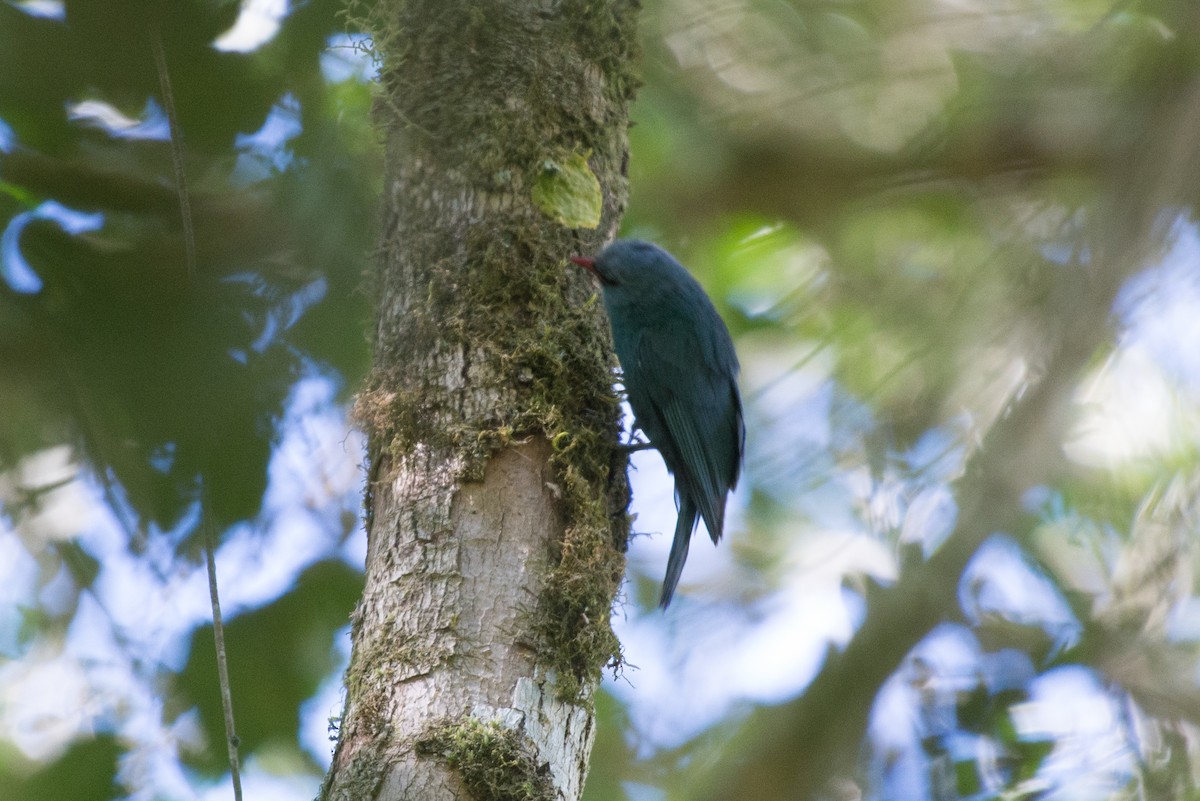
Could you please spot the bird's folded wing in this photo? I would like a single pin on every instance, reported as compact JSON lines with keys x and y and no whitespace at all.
{"x":699,"y":467}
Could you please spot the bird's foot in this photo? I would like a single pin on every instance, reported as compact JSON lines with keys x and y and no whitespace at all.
{"x":634,"y":446}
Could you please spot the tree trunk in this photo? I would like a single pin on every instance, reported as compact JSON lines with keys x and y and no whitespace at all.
{"x":496,"y":496}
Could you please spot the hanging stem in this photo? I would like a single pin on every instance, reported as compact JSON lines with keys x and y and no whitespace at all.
{"x":210,"y":547}
{"x":210,"y":540}
{"x":168,"y":100}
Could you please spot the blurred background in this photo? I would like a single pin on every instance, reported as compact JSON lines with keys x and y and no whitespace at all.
{"x":903,"y":211}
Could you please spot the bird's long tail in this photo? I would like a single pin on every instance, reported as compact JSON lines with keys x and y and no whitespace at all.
{"x":679,"y":549}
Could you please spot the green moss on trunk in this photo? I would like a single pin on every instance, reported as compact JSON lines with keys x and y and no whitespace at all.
{"x":494,"y":763}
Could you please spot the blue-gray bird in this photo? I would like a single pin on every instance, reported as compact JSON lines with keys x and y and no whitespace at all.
{"x":680,"y":374}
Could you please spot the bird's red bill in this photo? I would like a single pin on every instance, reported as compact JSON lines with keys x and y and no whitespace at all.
{"x":586,"y":263}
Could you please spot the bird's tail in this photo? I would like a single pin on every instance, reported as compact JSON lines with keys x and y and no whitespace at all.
{"x":679,"y":549}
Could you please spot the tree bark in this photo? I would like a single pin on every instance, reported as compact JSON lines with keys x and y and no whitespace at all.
{"x":496,"y":495}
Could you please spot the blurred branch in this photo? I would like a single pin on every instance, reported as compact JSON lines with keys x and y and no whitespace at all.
{"x":1061,"y":109}
{"x":762,"y":174}
{"x":81,"y":185}
{"x":794,"y":750}
{"x":233,"y":226}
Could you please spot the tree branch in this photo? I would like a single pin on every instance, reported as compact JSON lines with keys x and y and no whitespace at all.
{"x":798,"y":747}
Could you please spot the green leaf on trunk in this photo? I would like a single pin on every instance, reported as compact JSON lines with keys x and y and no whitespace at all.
{"x":567,"y":190}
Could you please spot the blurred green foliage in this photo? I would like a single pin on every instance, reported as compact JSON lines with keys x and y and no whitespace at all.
{"x":121,"y":348}
{"x":161,"y":384}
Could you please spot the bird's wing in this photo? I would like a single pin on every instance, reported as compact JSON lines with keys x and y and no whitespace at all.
{"x":698,"y":475}
{"x":690,"y":410}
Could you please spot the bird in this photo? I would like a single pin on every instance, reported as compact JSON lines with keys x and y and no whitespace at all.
{"x":680,"y":373}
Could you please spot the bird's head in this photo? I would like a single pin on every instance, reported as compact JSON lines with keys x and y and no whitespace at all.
{"x":629,"y":263}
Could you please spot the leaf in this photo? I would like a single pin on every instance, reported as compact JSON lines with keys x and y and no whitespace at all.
{"x":567,"y":191}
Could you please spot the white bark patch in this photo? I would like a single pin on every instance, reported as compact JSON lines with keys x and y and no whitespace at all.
{"x":452,"y":584}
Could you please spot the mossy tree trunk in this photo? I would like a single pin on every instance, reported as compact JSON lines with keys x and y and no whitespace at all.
{"x":496,"y":497}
